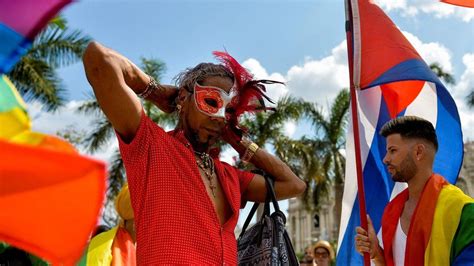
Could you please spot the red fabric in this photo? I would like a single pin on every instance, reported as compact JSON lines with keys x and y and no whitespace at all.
{"x":379,"y":54}
{"x":123,"y":249}
{"x":464,"y":3}
{"x":420,"y":224}
{"x":175,"y":219}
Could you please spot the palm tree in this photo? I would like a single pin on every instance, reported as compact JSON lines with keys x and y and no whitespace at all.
{"x":35,"y":75}
{"x":267,"y":128}
{"x":470,"y":98}
{"x":445,"y":76}
{"x":103,"y":132}
{"x":326,"y":145}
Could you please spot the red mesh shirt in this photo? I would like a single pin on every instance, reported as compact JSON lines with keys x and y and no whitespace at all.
{"x":174,"y":217}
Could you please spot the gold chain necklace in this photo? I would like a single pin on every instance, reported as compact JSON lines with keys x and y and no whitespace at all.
{"x":206,"y":164}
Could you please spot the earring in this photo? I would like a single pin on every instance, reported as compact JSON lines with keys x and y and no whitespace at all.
{"x":179,"y":108}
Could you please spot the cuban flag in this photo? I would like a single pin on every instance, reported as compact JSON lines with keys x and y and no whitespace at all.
{"x":388,"y":79}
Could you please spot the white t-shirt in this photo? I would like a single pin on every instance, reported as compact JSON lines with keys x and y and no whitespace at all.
{"x":399,"y":245}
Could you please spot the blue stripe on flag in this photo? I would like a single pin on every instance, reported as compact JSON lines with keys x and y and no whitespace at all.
{"x":12,"y":47}
{"x":413,"y":69}
{"x":449,"y":134}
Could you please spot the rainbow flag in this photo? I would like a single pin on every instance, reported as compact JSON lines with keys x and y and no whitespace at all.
{"x":114,"y":247}
{"x":20,"y":22}
{"x":50,"y":196}
{"x":441,"y":230}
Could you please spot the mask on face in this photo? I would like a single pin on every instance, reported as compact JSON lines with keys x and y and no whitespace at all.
{"x":213,"y":101}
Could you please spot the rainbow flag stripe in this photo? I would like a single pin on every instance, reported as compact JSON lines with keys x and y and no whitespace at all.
{"x":20,"y":22}
{"x":441,"y":231}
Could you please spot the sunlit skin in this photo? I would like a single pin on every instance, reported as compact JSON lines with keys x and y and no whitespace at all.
{"x":399,"y":158}
{"x":200,"y":129}
{"x":321,"y":257}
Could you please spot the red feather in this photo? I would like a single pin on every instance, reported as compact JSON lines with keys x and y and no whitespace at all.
{"x":251,"y":92}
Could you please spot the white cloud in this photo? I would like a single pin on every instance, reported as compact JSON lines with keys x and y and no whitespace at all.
{"x":274,"y":91}
{"x":460,"y":91}
{"x":432,"y":52}
{"x":67,"y":117}
{"x":433,"y":7}
{"x":289,"y":128}
{"x":320,"y":80}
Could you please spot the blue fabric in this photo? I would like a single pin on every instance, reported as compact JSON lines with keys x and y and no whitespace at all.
{"x":12,"y":47}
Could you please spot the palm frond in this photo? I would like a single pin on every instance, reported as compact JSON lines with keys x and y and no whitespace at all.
{"x":58,"y":47}
{"x":100,"y":136}
{"x":445,"y":76}
{"x":35,"y":79}
{"x":470,"y":99}
{"x":153,"y":67}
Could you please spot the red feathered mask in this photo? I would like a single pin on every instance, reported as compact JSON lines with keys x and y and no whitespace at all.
{"x":250,"y":92}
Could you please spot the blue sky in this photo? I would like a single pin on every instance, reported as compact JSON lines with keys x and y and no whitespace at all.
{"x":300,"y":42}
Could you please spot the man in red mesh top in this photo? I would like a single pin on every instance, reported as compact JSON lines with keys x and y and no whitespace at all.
{"x":186,"y":201}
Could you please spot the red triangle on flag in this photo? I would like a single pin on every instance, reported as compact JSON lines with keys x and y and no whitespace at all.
{"x":398,"y":95}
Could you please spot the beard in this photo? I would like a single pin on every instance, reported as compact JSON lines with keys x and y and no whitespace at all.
{"x":405,"y":171}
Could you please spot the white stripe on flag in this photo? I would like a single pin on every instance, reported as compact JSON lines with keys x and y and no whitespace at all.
{"x":370,"y":100}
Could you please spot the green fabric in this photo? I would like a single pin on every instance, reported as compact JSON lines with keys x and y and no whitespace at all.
{"x":35,"y":261}
{"x":3,"y":246}
{"x":8,"y":100}
{"x":83,"y":260}
{"x":465,"y":232}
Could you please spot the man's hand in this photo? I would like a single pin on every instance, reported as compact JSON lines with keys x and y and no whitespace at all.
{"x":233,"y":135}
{"x":366,"y":241}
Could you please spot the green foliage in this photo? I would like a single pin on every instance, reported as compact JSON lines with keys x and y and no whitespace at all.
{"x":445,"y":76}
{"x":35,"y":75}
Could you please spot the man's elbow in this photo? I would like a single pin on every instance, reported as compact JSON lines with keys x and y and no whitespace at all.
{"x":300,"y":187}
{"x":296,"y":187}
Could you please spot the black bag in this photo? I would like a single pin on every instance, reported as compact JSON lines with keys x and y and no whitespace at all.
{"x":266,"y":242}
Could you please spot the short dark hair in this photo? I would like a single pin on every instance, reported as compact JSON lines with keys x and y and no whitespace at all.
{"x":187,"y":78}
{"x":411,"y":127}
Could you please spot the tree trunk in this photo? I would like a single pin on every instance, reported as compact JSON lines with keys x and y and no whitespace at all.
{"x":339,"y":191}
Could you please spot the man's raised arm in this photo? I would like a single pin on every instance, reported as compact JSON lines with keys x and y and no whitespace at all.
{"x":115,"y":80}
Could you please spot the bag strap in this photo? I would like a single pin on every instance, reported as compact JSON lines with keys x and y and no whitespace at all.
{"x":270,"y":197}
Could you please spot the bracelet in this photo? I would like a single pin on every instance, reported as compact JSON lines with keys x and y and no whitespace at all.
{"x":251,"y":149}
{"x":150,"y":88}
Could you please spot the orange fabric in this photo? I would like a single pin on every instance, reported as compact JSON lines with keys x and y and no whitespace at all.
{"x":464,"y":3}
{"x":123,"y":249}
{"x":420,"y":224}
{"x":380,"y":54}
{"x":398,"y":95}
{"x":50,"y":200}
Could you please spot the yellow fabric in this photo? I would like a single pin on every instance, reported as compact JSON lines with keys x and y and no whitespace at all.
{"x":14,"y":122}
{"x":446,"y":218}
{"x":100,"y":248}
{"x":123,"y":204}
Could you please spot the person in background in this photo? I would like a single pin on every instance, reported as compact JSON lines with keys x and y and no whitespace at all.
{"x":323,"y":253}
{"x":116,"y":246}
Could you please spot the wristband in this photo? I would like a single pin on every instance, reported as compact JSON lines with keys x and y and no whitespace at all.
{"x":150,"y":88}
{"x":250,"y":149}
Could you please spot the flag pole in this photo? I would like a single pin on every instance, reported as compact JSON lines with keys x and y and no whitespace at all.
{"x":355,"y":122}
